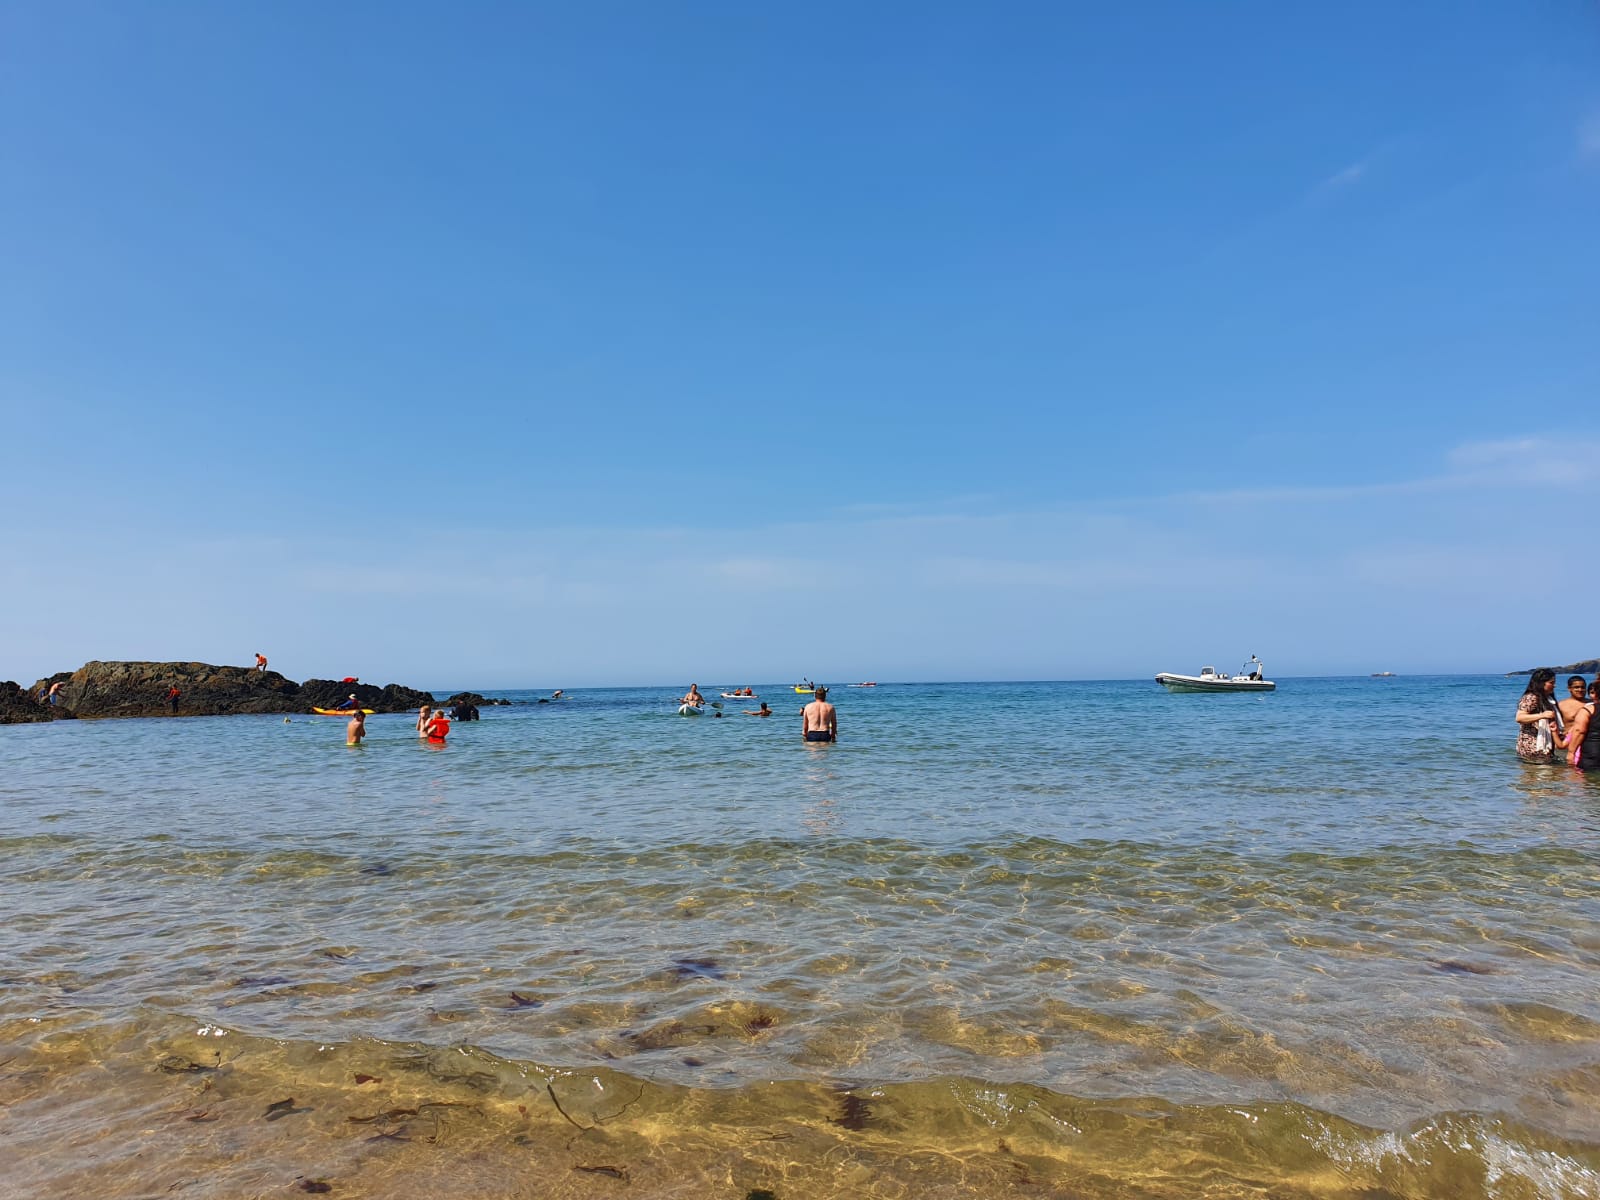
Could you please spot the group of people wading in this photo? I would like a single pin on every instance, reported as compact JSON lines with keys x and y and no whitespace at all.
{"x":1549,"y":730}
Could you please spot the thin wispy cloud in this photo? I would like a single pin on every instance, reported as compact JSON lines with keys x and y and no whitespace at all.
{"x":1347,"y":177}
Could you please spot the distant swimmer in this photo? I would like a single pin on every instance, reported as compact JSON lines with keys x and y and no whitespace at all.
{"x":438,"y":727}
{"x":357,"y":729}
{"x":557,"y":694}
{"x":424,"y":715}
{"x":763,"y":711}
{"x":694,"y":697}
{"x":819,"y":721}
{"x":261,"y":661}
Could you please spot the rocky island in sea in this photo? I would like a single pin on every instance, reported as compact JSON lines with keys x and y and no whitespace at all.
{"x":140,"y":689}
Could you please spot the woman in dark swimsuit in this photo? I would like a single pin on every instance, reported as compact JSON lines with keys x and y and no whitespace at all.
{"x":1582,"y":750}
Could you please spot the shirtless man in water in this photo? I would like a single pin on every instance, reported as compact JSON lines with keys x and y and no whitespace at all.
{"x":819,"y":721}
{"x":356,"y":730}
{"x":1577,"y":697}
{"x":694,"y":697}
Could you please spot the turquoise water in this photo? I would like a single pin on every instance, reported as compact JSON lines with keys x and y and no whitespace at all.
{"x":1332,"y":941}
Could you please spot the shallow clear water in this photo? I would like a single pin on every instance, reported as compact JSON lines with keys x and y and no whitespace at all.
{"x":1074,"y":938}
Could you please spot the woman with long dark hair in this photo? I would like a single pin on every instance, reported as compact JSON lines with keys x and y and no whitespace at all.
{"x":1534,"y":707}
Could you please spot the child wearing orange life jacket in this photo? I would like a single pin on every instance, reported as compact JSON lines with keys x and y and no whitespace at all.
{"x":438,"y":727}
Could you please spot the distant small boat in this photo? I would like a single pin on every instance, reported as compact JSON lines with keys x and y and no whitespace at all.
{"x":1209,"y":681}
{"x":740,"y":696}
{"x":1383,"y":674}
{"x":340,"y":712}
{"x":874,"y":684}
{"x":805,"y":691}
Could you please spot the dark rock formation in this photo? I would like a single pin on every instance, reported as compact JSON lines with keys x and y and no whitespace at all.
{"x":139,"y":689}
{"x":18,"y":707}
{"x":473,"y":699}
{"x":330,"y":693}
{"x":1588,"y":666}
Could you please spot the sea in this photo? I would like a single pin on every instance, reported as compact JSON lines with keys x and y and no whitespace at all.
{"x":1082,"y":939}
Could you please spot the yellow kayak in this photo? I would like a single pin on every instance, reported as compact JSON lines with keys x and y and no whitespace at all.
{"x":806,"y":691}
{"x":341,"y":712}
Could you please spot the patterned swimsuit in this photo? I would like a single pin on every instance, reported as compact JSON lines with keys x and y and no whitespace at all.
{"x":1528,"y":735}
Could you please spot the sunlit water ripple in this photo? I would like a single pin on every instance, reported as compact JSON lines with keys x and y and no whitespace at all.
{"x":1335,"y":941}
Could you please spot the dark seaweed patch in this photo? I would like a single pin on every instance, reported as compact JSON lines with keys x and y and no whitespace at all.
{"x":283,"y":1108}
{"x":854,"y":1113}
{"x":1453,"y":966}
{"x":697,"y":968}
{"x":173,"y":1064}
{"x":615,"y":1172}
{"x":519,"y":1001}
{"x":314,"y":1185}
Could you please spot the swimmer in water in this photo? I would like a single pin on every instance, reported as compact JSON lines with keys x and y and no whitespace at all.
{"x":438,"y":727}
{"x":424,"y":715}
{"x":357,"y":729}
{"x":818,"y":720}
{"x":763,"y":711}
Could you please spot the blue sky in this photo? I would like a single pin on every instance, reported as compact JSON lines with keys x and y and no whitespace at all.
{"x":625,"y":343}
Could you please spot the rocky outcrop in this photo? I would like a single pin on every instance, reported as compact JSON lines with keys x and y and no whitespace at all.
{"x":140,"y":689}
{"x":1588,"y":666}
{"x":330,"y":693}
{"x":473,"y":699}
{"x":18,"y":707}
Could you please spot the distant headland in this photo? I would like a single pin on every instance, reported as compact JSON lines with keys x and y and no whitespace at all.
{"x":1588,"y":666}
{"x":146,"y":689}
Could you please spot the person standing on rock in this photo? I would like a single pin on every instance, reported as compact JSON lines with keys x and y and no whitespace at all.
{"x":172,"y":698}
{"x":53,"y":696}
{"x":261,"y":661}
